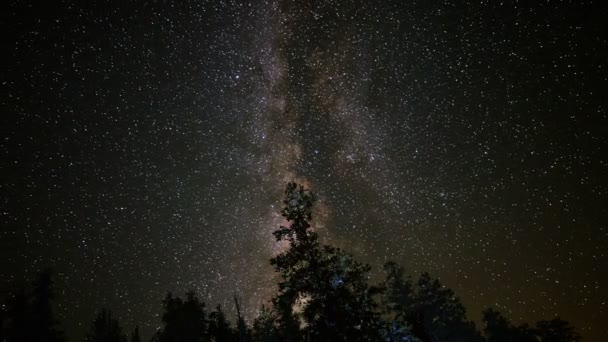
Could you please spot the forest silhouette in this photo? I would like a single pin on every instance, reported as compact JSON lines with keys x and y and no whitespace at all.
{"x":323,"y":295}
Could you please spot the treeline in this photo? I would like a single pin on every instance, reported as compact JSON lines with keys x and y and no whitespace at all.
{"x":323,"y":295}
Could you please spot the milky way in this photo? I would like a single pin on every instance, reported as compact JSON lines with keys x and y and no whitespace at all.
{"x":146,"y":148}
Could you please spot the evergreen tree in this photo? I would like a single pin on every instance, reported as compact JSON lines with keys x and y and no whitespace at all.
{"x":323,"y":295}
{"x":396,"y":330}
{"x":556,"y":330}
{"x":432,"y":311}
{"x":398,"y":293}
{"x":499,"y":329}
{"x":105,"y":328}
{"x":184,"y":321}
{"x":219,"y":327}
{"x":302,"y":245}
{"x":264,"y":326}
{"x":29,"y":317}
{"x":43,"y":325}
{"x":398,"y":304}
{"x":440,"y":316}
{"x":17,"y":322}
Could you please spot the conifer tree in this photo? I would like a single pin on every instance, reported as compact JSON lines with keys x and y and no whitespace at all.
{"x":264,"y":326}
{"x":105,"y":328}
{"x":323,"y":294}
{"x":500,"y":329}
{"x":219,"y":327}
{"x":184,"y":321}
{"x":43,"y":325}
{"x":16,"y":326}
{"x":29,"y":315}
{"x":430,"y":310}
{"x":556,"y":330}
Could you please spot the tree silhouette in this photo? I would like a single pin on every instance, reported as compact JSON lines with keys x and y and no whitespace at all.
{"x":43,"y":323}
{"x":17,"y":320}
{"x":323,"y":295}
{"x":440,"y":316}
{"x":29,"y":316}
{"x":397,"y":303}
{"x":556,"y":330}
{"x":219,"y":327}
{"x":105,"y":328}
{"x":499,"y":329}
{"x":264,"y":326}
{"x":398,"y":292}
{"x":432,"y":311}
{"x":292,"y":264}
{"x":184,"y":321}
{"x":396,"y":330}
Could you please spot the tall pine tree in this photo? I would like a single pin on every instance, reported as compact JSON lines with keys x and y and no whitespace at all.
{"x":323,"y":294}
{"x":184,"y":321}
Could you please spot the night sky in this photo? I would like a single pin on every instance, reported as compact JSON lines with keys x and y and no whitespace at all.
{"x":145,"y":147}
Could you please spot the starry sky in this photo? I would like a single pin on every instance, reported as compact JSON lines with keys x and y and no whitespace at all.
{"x":145,"y":147}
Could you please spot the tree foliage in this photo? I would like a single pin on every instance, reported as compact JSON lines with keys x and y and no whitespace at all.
{"x":556,"y":330}
{"x":29,"y":315}
{"x":184,"y":320}
{"x":323,"y":294}
{"x":264,"y":326}
{"x":219,"y":327}
{"x":105,"y":328}
{"x":500,"y":329}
